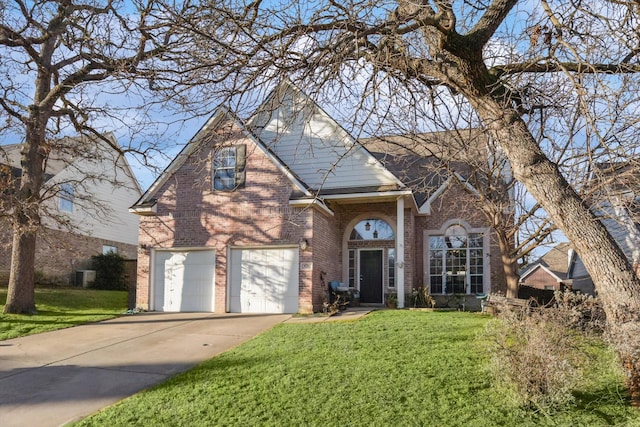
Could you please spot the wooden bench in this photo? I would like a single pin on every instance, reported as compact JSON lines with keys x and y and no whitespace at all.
{"x":496,"y":302}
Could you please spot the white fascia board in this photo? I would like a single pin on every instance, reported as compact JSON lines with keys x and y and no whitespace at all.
{"x":145,"y":210}
{"x":466,"y":184}
{"x":367,"y":195}
{"x":426,"y":206}
{"x":312,"y":202}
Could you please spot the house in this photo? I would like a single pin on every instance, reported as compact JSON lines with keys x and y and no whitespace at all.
{"x":616,"y":201}
{"x":258,"y":216}
{"x":552,"y":271}
{"x":88,"y":189}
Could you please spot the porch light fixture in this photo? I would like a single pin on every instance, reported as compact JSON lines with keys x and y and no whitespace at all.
{"x":143,"y":248}
{"x":375,"y":234}
{"x":304,"y":244}
{"x":367,"y":226}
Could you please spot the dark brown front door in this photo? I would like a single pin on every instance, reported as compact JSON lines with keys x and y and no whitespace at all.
{"x":371,"y":276}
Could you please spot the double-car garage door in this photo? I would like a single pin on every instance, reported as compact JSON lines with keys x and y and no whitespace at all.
{"x":261,"y":280}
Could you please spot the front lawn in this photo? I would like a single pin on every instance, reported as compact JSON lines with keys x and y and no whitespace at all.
{"x":392,"y":368}
{"x":61,"y":308}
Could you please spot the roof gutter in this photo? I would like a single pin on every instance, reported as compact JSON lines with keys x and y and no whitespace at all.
{"x":149,"y":208}
{"x":312,"y":202}
{"x":368,"y":195}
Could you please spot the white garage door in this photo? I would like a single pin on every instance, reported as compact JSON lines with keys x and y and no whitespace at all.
{"x":184,"y":281}
{"x":264,"y":280}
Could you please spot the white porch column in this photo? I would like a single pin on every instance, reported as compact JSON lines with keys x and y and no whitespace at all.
{"x":400,"y":251}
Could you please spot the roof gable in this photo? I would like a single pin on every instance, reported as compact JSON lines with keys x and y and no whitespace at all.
{"x":543,"y":268}
{"x":220,"y":118}
{"x":430,"y":163}
{"x":556,"y":262}
{"x":80,"y":153}
{"x":314,"y":146}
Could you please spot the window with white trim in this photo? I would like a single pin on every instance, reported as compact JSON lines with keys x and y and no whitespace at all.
{"x":229,"y":168}
{"x":456,"y":262}
{"x":352,"y":268}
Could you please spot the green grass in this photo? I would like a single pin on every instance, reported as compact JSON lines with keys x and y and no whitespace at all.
{"x":392,"y":368}
{"x":61,"y":308}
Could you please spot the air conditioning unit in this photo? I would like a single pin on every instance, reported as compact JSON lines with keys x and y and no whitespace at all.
{"x":85,"y":277}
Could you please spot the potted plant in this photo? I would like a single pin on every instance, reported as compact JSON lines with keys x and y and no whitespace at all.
{"x":392,"y":300}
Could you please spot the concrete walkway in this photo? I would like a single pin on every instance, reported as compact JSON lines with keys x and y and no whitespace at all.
{"x":57,"y":377}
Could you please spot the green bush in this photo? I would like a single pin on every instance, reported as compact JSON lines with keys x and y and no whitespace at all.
{"x":109,"y":272}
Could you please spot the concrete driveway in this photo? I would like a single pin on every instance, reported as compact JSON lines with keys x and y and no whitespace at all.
{"x":57,"y":377}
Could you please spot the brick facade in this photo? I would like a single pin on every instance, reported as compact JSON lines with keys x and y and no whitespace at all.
{"x":541,"y":279}
{"x":191,"y":215}
{"x":60,"y":254}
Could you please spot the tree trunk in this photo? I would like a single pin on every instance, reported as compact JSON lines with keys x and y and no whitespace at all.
{"x":616,"y":282}
{"x":21,"y":292}
{"x":26,"y":221}
{"x":509,"y":265}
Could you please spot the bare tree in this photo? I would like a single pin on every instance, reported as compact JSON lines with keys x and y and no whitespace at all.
{"x":62,"y":61}
{"x":541,"y":78}
{"x":468,"y":157}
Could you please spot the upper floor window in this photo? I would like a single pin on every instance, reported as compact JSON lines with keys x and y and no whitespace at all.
{"x":67,"y":194}
{"x":229,"y":168}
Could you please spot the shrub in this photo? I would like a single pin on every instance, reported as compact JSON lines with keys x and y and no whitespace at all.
{"x":420,"y":297}
{"x":582,"y":312}
{"x":536,"y":356}
{"x":109,"y":272}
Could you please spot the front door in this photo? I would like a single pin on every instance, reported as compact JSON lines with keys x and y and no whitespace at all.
{"x":371,"y":276}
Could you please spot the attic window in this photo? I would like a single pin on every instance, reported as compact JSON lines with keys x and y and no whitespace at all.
{"x":229,"y":168}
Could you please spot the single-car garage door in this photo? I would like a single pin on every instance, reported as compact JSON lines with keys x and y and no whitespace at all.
{"x":184,"y":280}
{"x":264,"y":280}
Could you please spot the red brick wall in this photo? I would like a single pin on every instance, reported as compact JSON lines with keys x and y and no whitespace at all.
{"x":191,"y":214}
{"x":327,"y":256}
{"x":539,"y":279}
{"x":59,"y":254}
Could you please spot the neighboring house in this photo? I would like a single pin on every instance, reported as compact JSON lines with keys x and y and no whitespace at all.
{"x":617,"y":204}
{"x":88,"y":189}
{"x":552,"y":271}
{"x":259,"y":216}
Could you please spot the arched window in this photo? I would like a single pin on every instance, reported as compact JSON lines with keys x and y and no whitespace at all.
{"x":372,"y":229}
{"x":456,"y":262}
